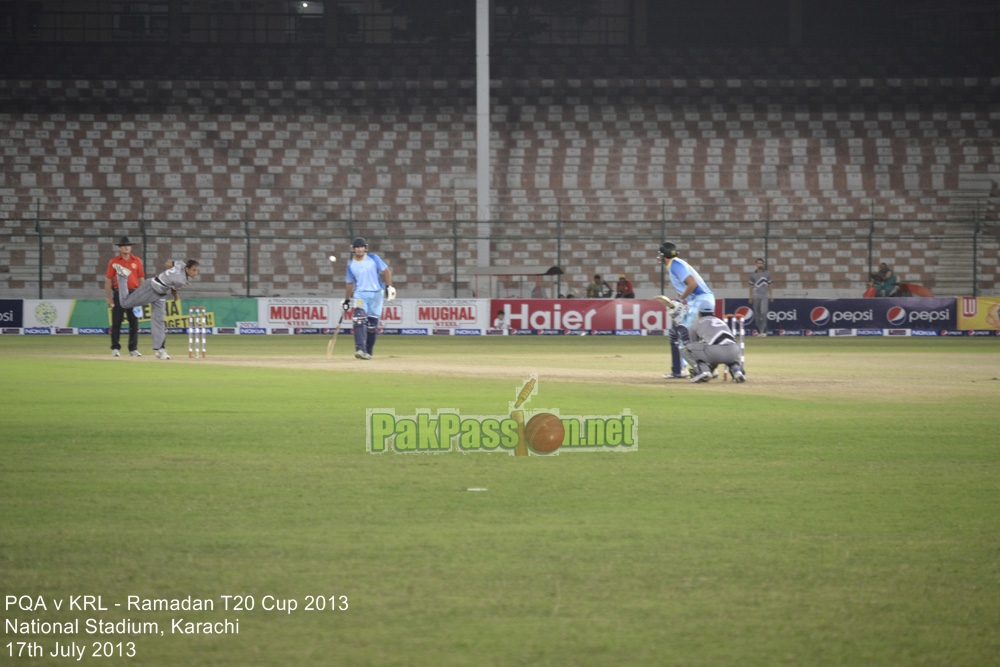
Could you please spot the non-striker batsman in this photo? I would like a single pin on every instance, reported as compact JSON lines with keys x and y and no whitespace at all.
{"x":368,"y":278}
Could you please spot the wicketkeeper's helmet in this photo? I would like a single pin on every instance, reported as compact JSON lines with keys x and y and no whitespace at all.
{"x":668,"y":250}
{"x":359,"y":242}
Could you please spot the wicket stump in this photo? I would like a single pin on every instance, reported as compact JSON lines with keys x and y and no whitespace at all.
{"x":197,"y":332}
{"x":735,"y":323}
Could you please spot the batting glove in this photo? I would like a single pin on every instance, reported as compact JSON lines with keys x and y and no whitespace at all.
{"x":665,"y":301}
{"x":390,"y":292}
{"x":346,"y":305}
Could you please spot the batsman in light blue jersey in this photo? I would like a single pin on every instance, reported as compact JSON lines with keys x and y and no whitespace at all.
{"x":367,"y":277}
{"x":691,"y":291}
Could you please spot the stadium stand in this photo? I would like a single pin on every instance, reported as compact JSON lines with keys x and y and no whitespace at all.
{"x":834,"y":157}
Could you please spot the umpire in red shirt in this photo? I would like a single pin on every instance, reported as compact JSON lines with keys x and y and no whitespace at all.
{"x":134,"y":264}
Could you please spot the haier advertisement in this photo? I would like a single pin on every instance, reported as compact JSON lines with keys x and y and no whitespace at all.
{"x":823,"y":314}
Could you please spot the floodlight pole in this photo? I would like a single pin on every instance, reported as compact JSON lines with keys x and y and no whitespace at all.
{"x":41,"y":251}
{"x":483,"y":132}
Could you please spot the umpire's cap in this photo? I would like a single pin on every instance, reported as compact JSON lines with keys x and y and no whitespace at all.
{"x":123,"y":241}
{"x":668,"y":250}
{"x":359,"y":242}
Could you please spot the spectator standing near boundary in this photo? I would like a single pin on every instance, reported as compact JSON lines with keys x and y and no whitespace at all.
{"x":136,"y":275}
{"x":760,"y":295}
{"x":154,"y":292}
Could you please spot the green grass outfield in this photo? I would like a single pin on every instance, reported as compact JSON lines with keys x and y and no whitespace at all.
{"x":840,"y":508}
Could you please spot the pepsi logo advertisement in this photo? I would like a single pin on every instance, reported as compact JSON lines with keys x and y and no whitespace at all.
{"x":834,"y":314}
{"x":11,"y":313}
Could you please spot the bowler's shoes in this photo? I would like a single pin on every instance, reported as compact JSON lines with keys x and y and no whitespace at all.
{"x":739,"y":377}
{"x":671,"y":376}
{"x":162,"y":353}
{"x":115,"y":353}
{"x":361,"y":354}
{"x":135,"y":353}
{"x":122,"y":271}
{"x":701,"y":377}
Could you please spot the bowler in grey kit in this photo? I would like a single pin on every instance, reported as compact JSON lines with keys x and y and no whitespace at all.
{"x":154,"y":291}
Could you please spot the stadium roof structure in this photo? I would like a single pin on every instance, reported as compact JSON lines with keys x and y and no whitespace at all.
{"x":493,"y":274}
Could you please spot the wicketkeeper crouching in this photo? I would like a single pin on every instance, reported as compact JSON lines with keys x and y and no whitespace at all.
{"x":711,"y":342}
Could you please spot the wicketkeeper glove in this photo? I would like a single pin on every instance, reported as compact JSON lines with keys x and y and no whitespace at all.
{"x":390,"y":292}
{"x":346,"y":305}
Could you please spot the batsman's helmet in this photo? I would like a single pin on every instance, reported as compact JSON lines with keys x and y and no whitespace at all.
{"x":360,"y":241}
{"x":668,"y":250}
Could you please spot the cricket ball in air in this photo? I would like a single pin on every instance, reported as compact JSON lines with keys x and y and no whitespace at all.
{"x":333,"y":258}
{"x":544,"y":433}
